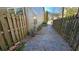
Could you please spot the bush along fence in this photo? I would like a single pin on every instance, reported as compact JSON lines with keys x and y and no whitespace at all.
{"x":12,"y":29}
{"x":68,"y":27}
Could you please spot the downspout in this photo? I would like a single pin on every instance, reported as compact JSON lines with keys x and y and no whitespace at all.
{"x":44,"y":13}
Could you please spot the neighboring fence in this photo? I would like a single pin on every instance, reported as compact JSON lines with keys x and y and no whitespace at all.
{"x":68,"y":27}
{"x":12,"y":29}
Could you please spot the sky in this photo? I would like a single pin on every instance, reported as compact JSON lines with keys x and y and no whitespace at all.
{"x":53,"y":9}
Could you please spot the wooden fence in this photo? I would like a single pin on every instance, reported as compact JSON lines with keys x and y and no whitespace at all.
{"x":68,"y":27}
{"x":12,"y":29}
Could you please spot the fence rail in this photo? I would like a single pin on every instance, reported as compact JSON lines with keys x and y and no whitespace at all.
{"x":12,"y":29}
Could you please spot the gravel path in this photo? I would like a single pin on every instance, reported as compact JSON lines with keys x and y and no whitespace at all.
{"x":47,"y":39}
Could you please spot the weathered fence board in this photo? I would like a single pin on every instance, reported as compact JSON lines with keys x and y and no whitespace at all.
{"x":70,"y":27}
{"x":25,"y":25}
{"x":18,"y":26}
{"x":21,"y":28}
{"x":11,"y":27}
{"x":2,"y":42}
{"x":5,"y":29}
{"x":15,"y":26}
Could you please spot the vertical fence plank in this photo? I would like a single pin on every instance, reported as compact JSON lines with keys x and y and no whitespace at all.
{"x":24,"y":25}
{"x":2,"y":42}
{"x":5,"y":29}
{"x":20,"y":20}
{"x":15,"y":26}
{"x":25,"y":20}
{"x":18,"y":25}
{"x":11,"y":28}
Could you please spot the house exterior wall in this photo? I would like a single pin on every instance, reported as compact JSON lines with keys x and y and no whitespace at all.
{"x":32,"y":12}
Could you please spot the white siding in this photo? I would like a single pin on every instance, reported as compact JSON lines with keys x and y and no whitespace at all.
{"x":38,"y":12}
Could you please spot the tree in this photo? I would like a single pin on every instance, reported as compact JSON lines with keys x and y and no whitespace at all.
{"x":77,"y":14}
{"x":70,"y":11}
{"x":78,"y":9}
{"x":62,"y":12}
